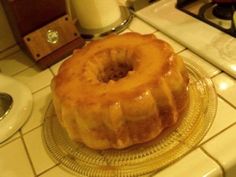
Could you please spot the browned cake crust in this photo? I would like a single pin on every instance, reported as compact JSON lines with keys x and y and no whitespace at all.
{"x":120,"y":91}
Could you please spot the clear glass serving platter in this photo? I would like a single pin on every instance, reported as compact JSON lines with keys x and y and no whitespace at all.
{"x":140,"y":159}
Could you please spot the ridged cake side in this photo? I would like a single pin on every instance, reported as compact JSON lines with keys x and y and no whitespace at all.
{"x":120,"y":91}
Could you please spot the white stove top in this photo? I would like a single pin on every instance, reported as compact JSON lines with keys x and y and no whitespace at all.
{"x":206,"y":41}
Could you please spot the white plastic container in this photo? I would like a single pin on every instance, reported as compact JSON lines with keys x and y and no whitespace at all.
{"x":94,"y":14}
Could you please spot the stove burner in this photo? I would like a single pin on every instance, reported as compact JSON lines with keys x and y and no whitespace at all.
{"x":220,"y":14}
{"x":223,"y":11}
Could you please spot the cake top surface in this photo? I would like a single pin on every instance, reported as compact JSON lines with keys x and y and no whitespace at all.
{"x":108,"y":67}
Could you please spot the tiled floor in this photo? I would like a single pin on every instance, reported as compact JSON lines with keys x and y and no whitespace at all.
{"x":15,"y":63}
{"x":177,"y":47}
{"x":40,"y":99}
{"x":222,"y":148}
{"x":57,"y":172}
{"x":31,"y":77}
{"x":24,"y":154}
{"x":34,"y":144}
{"x":187,"y":164}
{"x":226,"y":87}
{"x":14,"y":161}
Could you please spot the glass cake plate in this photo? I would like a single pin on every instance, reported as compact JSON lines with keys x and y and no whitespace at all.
{"x":141,"y":159}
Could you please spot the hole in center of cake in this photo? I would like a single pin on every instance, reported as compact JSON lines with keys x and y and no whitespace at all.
{"x":115,"y":71}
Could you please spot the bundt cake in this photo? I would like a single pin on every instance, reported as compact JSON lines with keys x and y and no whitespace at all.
{"x":120,"y":90}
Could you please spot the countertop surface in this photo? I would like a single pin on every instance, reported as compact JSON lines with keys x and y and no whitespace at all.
{"x":24,"y":155}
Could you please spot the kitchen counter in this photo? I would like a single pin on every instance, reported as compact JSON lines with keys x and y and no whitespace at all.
{"x":24,"y":155}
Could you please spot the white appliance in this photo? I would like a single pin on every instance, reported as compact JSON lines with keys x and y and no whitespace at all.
{"x":97,"y":18}
{"x":212,"y":44}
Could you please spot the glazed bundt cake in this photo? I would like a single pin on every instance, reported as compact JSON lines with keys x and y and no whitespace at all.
{"x":120,"y":90}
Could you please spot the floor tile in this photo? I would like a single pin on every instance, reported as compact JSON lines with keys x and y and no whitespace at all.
{"x":58,"y":172}
{"x":15,"y":63}
{"x":195,"y":164}
{"x":41,"y":101}
{"x":209,"y":69}
{"x":139,"y":26}
{"x":10,"y":139}
{"x":9,"y":51}
{"x":14,"y":161}
{"x":34,"y":78}
{"x":176,"y":46}
{"x":38,"y":154}
{"x":222,"y":148}
{"x":226,"y":87}
{"x":225,"y":116}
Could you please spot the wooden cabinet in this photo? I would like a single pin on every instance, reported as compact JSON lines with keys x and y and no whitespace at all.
{"x":28,"y":17}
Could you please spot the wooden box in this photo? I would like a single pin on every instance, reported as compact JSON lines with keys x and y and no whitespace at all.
{"x":33,"y":19}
